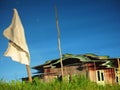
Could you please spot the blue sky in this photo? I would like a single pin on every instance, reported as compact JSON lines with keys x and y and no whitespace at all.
{"x":87,"y":26}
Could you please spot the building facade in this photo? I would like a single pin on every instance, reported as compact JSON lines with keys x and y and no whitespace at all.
{"x":99,"y":69}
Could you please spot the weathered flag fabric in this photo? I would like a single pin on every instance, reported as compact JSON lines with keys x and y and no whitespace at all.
{"x":17,"y":47}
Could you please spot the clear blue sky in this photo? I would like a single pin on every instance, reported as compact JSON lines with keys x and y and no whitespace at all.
{"x":87,"y":26}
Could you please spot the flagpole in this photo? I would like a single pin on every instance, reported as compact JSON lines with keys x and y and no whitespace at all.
{"x":29,"y":73}
{"x":17,"y":47}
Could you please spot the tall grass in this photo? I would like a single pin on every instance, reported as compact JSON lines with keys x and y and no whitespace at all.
{"x":77,"y":83}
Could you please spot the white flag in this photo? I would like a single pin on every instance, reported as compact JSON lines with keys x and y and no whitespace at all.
{"x":17,"y":48}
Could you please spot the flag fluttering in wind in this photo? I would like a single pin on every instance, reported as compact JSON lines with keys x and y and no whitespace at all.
{"x":17,"y":47}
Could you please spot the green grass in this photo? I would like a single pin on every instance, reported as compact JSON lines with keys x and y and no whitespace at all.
{"x":77,"y":83}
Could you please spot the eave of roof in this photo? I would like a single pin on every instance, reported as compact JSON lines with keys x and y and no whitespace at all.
{"x":82,"y":58}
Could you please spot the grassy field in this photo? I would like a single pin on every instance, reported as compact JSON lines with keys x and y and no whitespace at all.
{"x":77,"y":83}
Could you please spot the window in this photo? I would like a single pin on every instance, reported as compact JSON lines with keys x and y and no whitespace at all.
{"x":100,"y":75}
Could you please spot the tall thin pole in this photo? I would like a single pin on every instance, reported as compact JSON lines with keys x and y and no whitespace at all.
{"x":118,"y":70}
{"x":29,"y":73}
{"x":59,"y":45}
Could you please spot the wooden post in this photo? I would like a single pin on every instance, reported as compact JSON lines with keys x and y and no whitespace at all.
{"x":59,"y":45}
{"x":29,"y":73}
{"x":118,"y":69}
{"x":118,"y":63}
{"x":95,"y":71}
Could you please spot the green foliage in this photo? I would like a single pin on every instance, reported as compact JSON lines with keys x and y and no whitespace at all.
{"x":77,"y":83}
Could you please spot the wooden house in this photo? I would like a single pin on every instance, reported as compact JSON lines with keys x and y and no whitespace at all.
{"x":99,"y":69}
